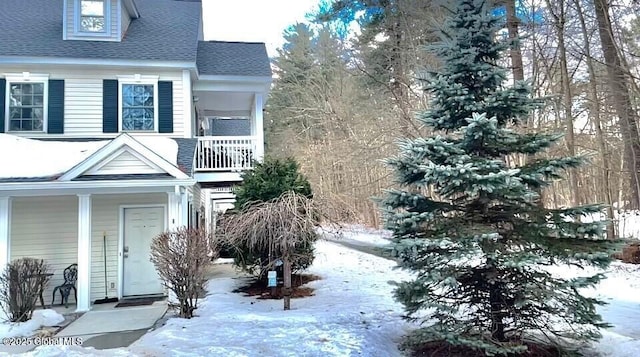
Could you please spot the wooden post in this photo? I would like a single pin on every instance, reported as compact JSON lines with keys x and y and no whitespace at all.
{"x":286,"y":291}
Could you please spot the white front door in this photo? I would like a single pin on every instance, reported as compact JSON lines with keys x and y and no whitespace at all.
{"x":141,"y":225}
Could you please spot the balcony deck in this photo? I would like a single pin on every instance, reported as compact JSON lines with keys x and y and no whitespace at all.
{"x":222,"y":158}
{"x":225,"y":153}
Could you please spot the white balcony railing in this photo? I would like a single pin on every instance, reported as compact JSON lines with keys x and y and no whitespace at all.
{"x":225,"y":153}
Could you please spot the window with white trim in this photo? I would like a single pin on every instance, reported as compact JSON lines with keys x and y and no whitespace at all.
{"x":26,"y":103}
{"x":92,"y":17}
{"x":139,"y":105}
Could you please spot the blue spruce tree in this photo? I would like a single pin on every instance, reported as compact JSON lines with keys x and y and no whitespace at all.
{"x":469,"y":223}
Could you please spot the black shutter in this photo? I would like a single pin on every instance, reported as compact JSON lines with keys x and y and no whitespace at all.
{"x":55,"y":120}
{"x":165,"y":107}
{"x":3,"y":93}
{"x":109,"y":106}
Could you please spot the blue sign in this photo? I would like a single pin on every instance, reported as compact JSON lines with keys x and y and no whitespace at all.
{"x":272,"y":279}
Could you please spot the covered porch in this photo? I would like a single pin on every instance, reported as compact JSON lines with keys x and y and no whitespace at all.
{"x":110,"y":227}
{"x":94,"y":204}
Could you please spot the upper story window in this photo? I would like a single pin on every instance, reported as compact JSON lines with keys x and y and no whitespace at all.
{"x":92,"y":15}
{"x":139,"y":104}
{"x":26,"y":106}
{"x":26,"y":103}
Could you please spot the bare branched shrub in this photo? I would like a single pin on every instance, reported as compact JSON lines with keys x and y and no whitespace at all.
{"x":278,"y":226}
{"x":181,"y":258}
{"x":20,"y":285}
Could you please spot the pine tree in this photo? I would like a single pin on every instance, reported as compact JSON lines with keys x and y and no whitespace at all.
{"x":481,"y":243}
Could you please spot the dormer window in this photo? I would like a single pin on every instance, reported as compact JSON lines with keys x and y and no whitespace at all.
{"x":92,"y":15}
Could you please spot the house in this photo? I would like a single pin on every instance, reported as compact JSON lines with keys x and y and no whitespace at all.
{"x":117,"y":122}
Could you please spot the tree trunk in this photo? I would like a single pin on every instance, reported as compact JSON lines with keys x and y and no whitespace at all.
{"x":286,"y":291}
{"x":515,"y":52}
{"x":498,"y":308}
{"x":619,"y":84}
{"x":559,"y":24}
{"x":595,"y":111}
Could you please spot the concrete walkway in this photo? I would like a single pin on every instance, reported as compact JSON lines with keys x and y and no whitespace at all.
{"x":108,"y":327}
{"x":99,"y":321}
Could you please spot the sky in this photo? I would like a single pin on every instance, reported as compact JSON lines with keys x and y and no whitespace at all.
{"x":253,"y":20}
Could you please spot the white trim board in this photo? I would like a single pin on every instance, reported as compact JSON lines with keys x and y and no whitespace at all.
{"x":57,"y":188}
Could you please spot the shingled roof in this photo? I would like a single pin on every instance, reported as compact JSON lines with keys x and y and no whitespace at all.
{"x":167,"y":30}
{"x":233,"y":59}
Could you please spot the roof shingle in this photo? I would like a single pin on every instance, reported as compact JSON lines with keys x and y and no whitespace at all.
{"x":167,"y":30}
{"x":233,"y":59}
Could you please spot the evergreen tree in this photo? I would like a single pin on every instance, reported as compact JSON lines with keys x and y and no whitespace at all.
{"x":269,"y":180}
{"x":481,"y":244}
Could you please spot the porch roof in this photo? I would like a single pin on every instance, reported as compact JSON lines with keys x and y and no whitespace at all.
{"x":221,"y":58}
{"x":48,"y":160}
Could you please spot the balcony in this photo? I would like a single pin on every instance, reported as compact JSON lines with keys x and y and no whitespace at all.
{"x":225,"y":153}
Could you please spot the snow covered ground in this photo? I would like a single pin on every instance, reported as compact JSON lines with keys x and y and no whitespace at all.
{"x":352,"y":314}
{"x":25,"y":329}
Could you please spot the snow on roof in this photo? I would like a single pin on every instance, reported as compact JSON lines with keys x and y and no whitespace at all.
{"x":23,"y":157}
{"x":167,"y":148}
{"x":27,"y":158}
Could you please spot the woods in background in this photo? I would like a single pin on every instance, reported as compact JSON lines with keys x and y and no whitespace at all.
{"x":341,"y":98}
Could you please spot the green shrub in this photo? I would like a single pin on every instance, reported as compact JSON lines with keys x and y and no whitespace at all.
{"x":267,"y":181}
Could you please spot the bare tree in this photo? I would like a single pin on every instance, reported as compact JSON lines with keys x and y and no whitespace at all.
{"x":181,"y":258}
{"x":277,"y":226}
{"x":618,"y":81}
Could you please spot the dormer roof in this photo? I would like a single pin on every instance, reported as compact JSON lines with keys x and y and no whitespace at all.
{"x":166,"y":30}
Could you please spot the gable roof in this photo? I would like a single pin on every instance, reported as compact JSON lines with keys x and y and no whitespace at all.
{"x":233,"y":59}
{"x":167,"y":30}
{"x":126,"y":141}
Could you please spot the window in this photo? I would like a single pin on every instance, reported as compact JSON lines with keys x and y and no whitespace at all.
{"x":139,"y":106}
{"x":92,"y":16}
{"x":26,"y":103}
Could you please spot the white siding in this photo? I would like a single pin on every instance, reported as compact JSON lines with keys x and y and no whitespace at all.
{"x":46,"y":228}
{"x":124,"y":19}
{"x":125,"y":163}
{"x":82,"y":104}
{"x":197,"y":202}
{"x":83,"y":100}
{"x":115,"y":16}
{"x":69,"y":17}
{"x":106,"y":222}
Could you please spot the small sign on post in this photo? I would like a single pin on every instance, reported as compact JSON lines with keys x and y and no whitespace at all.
{"x":272,"y":278}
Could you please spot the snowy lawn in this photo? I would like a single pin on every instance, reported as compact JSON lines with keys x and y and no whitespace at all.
{"x":358,"y":234}
{"x":25,"y":329}
{"x":352,"y":314}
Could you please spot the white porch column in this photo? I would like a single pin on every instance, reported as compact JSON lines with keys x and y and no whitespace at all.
{"x":173,"y":210}
{"x":5,"y":224}
{"x":258,"y":123}
{"x":84,"y":253}
{"x":184,"y":208}
{"x":187,"y":103}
